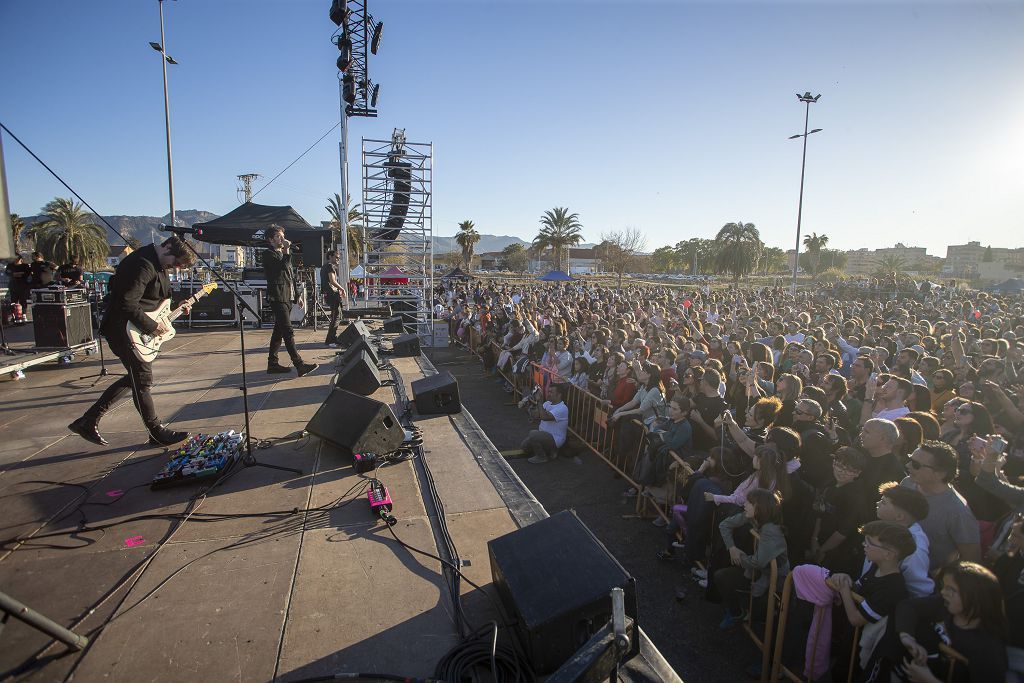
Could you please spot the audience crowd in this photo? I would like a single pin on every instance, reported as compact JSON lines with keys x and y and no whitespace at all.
{"x":873,"y":440}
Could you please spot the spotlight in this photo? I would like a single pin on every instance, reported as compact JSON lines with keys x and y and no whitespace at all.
{"x":345,"y":59}
{"x":376,"y":93}
{"x":170,"y":59}
{"x":348,"y":90}
{"x":339,"y":12}
{"x":375,"y":41}
{"x":157,"y":47}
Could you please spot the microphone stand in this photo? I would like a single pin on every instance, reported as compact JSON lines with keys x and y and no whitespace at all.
{"x":99,"y":344}
{"x":249,"y":460}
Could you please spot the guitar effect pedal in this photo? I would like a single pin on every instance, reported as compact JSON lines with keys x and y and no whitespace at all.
{"x":380,"y":502}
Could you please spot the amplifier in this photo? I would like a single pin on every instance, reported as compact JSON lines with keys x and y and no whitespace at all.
{"x":59,"y":326}
{"x":59,"y":295}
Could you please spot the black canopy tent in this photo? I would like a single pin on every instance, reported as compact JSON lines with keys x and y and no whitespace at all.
{"x":247,"y":226}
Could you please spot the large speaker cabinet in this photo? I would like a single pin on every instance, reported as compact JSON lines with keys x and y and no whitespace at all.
{"x":59,"y":326}
{"x":357,"y":424}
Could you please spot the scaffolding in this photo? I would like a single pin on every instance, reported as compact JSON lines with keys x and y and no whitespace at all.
{"x":397,"y":229}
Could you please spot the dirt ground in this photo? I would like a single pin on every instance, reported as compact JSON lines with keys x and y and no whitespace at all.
{"x":686,"y":632}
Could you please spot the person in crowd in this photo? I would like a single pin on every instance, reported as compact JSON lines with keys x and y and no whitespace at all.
{"x":553,"y":428}
{"x":817,"y":445}
{"x":908,"y":508}
{"x":951,"y":527}
{"x":709,"y":406}
{"x":878,"y":438}
{"x":19,"y":273}
{"x":70,"y":274}
{"x":649,"y":398}
{"x":839,"y":510}
{"x":41,"y":271}
{"x":911,"y":436}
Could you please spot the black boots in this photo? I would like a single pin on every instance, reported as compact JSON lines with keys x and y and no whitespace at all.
{"x":88,"y":429}
{"x":162,"y":436}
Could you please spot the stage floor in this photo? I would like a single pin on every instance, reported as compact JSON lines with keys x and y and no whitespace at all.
{"x":289,"y":583}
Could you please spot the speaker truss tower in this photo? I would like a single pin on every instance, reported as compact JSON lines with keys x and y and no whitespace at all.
{"x":398,"y":229}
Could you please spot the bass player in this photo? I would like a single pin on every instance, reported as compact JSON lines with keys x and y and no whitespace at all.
{"x":139,"y":285}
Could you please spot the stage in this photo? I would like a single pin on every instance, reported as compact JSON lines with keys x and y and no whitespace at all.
{"x":271,"y":576}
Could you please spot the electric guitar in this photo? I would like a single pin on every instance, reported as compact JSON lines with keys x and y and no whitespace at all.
{"x":147,"y":346}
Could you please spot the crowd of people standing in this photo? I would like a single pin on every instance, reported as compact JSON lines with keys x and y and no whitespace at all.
{"x":874,"y":441}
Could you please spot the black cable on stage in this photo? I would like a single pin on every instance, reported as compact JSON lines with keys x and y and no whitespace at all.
{"x":61,"y":180}
{"x":296,"y":160}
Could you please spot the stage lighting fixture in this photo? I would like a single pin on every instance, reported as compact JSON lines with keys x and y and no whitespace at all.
{"x":156,"y":46}
{"x":348,"y":91}
{"x":345,"y":59}
{"x":170,"y":59}
{"x":376,"y":93}
{"x":339,"y":12}
{"x":375,"y":41}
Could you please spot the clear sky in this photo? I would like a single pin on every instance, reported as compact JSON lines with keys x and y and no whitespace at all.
{"x":669,"y":116}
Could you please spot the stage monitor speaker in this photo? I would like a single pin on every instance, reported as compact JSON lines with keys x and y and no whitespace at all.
{"x":60,"y":326}
{"x":394,"y":324}
{"x":360,"y":375}
{"x":437,"y":395}
{"x":555,"y":579}
{"x":357,"y":424}
{"x":363,"y":344}
{"x":406,"y":345}
{"x":353,"y":333}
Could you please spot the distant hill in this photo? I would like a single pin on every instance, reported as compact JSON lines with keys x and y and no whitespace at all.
{"x":144,"y":228}
{"x":444,"y":245}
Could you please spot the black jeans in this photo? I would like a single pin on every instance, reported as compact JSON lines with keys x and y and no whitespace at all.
{"x":139,"y":381}
{"x":334,"y":301}
{"x":282,"y":332}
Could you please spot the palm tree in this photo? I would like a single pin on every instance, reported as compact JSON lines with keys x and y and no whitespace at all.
{"x":17,"y":224}
{"x":467,"y":238}
{"x":354,"y":231}
{"x":739,"y":247}
{"x":559,"y":229}
{"x":889,"y":264}
{"x":68,"y":233}
{"x":814,"y":243}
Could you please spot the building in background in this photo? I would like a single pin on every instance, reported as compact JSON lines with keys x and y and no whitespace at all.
{"x":116,"y":253}
{"x":972,"y":260}
{"x":583,"y":261}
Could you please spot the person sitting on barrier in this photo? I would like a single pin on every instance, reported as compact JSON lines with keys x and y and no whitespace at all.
{"x":762,"y":510}
{"x":552,"y":431}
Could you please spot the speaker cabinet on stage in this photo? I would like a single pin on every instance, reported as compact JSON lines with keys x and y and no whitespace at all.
{"x":394,"y":324}
{"x":59,"y":326}
{"x":357,"y":424}
{"x":406,"y":345}
{"x":351,"y":352}
{"x":360,"y":375}
{"x":555,"y":579}
{"x":437,"y":395}
{"x":353,"y":333}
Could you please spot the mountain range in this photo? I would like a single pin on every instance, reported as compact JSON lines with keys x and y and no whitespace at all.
{"x":147,"y":229}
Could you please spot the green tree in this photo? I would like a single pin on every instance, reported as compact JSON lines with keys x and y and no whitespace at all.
{"x":739,"y":248}
{"x":467,"y":237}
{"x":824,"y":259}
{"x":516,"y":258}
{"x":814,"y":243}
{"x":67,"y":232}
{"x":773,"y":260}
{"x":17,"y":225}
{"x":665,"y":260}
{"x":559,"y":229}
{"x":354,"y":233}
{"x":889,"y":264}
{"x":696,"y":254}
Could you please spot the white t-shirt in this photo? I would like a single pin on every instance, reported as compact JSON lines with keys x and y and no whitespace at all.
{"x":559,"y":427}
{"x":892,"y":413}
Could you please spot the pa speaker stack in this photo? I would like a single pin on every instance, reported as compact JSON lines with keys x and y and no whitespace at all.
{"x":555,"y":579}
{"x":359,"y":375}
{"x":437,"y":395}
{"x":357,"y":424}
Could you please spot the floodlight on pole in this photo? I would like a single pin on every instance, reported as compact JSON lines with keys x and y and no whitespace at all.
{"x":165,"y":60}
{"x":807,"y":99}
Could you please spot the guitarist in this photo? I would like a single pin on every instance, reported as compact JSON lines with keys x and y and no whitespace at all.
{"x":139,"y":285}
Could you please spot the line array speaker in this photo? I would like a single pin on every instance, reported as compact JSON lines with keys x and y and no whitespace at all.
{"x":357,"y":424}
{"x":359,"y":375}
{"x":437,"y":395}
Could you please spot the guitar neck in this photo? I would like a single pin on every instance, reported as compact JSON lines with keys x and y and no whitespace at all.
{"x":177,"y":312}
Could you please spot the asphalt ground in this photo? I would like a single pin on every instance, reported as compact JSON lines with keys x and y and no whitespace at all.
{"x":686,"y":632}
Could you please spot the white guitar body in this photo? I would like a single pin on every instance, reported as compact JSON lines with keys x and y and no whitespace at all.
{"x":147,"y":346}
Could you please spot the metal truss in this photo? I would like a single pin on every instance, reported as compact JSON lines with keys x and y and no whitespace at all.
{"x":358,"y":29}
{"x":398,"y":227}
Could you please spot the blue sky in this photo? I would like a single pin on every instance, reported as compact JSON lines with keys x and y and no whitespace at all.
{"x":671,"y":117}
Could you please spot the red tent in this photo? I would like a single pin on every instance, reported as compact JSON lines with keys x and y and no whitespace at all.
{"x":393,"y":276}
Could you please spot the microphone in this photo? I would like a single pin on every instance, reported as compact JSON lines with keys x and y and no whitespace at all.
{"x":180,"y":230}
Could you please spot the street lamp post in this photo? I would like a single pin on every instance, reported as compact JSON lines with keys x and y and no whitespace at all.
{"x":807,"y":99}
{"x":165,"y":60}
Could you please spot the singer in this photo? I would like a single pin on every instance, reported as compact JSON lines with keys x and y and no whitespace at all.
{"x":277,"y":265}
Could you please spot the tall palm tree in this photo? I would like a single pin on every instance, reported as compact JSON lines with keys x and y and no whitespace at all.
{"x":814,"y":243}
{"x":889,"y":264}
{"x":17,"y":224}
{"x":354,"y":232}
{"x":68,"y":233}
{"x":739,"y":248}
{"x":467,"y":238}
{"x":559,"y":230}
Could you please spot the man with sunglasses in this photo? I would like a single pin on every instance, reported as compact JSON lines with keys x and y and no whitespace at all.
{"x":951,"y":527}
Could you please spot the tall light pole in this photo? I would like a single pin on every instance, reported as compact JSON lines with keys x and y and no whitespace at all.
{"x":807,"y":99}
{"x":166,"y":59}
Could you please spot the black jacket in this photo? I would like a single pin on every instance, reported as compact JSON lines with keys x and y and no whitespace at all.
{"x":139,"y":285}
{"x":280,"y":275}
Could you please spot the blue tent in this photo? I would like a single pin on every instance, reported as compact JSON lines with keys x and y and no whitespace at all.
{"x":555,"y":276}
